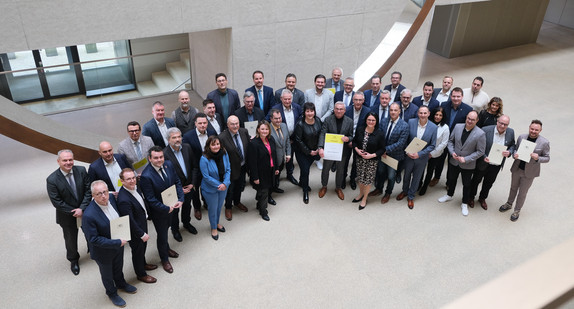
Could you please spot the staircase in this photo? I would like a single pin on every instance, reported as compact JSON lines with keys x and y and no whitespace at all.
{"x":174,"y":75}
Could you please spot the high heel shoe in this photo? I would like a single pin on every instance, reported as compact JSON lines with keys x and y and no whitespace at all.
{"x":356,"y":200}
{"x":305,"y":197}
{"x":362,"y":207}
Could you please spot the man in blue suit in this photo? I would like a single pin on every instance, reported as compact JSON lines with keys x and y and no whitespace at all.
{"x":426,"y":98}
{"x":358,"y":112}
{"x":335,"y":81}
{"x":408,"y":110}
{"x":454,"y":110}
{"x":264,"y":98}
{"x":108,"y":253}
{"x":108,"y":167}
{"x":156,"y":178}
{"x":395,"y":87}
{"x":346,"y":94}
{"x":157,"y":127}
{"x":416,"y":162}
{"x":226,"y":99}
{"x":372,"y":95}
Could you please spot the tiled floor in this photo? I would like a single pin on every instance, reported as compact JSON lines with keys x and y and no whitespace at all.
{"x":325,"y":254}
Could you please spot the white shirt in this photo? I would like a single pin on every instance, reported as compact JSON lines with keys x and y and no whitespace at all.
{"x":443,"y":96}
{"x":477,"y":101}
{"x":202,"y":138}
{"x":356,"y":115}
{"x":138,"y":197}
{"x":163,"y":130}
{"x":214,"y":123}
{"x":442,"y":134}
{"x":421,"y":129}
{"x":289,"y":119}
{"x":113,"y":168}
{"x":109,"y":211}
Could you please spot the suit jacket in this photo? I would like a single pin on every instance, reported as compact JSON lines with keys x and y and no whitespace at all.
{"x":398,"y":94}
{"x":532,"y":168}
{"x":297,"y":113}
{"x":327,"y":104}
{"x":463,"y":110}
{"x":232,"y":98}
{"x":375,"y":144}
{"x":96,"y":227}
{"x":241,"y":113}
{"x":368,"y":95}
{"x":62,"y":196}
{"x":330,"y":126}
{"x":433,"y":103}
{"x":397,"y":141}
{"x":126,"y":148}
{"x":489,"y":135}
{"x":228,"y":142}
{"x":435,"y":93}
{"x":220,"y":122}
{"x":376,"y":111}
{"x":283,"y":146}
{"x":409,"y":113}
{"x":298,"y":96}
{"x":329,"y":84}
{"x":188,"y":159}
{"x":472,"y":149}
{"x":260,"y":162}
{"x":268,"y":98}
{"x":350,"y":112}
{"x":150,"y":129}
{"x":98,"y":171}
{"x":192,"y":140}
{"x":128,"y":205}
{"x":210,"y":180}
{"x":152,"y":185}
{"x":339,"y":96}
{"x":429,"y":136}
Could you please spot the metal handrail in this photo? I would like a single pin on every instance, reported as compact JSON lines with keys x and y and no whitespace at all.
{"x":174,"y":89}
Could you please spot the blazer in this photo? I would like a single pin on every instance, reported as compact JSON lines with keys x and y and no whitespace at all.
{"x":241,"y":113}
{"x":220,"y":122}
{"x":463,"y":110}
{"x":429,"y":136}
{"x":368,"y":95}
{"x":397,"y":141}
{"x":260,"y":162}
{"x":330,"y":126}
{"x":283,"y":146}
{"x":350,"y":112}
{"x":298,"y":96}
{"x":435,"y":93}
{"x":433,"y":103}
{"x":339,"y":96}
{"x":210,"y":180}
{"x":232,"y":98}
{"x":375,"y":144}
{"x":409,"y":113}
{"x":489,"y":135}
{"x":228,"y":142}
{"x":297,"y":113}
{"x":126,"y":148}
{"x":96,"y":227}
{"x":268,"y":98}
{"x":472,"y":149}
{"x":62,"y":196}
{"x":398,"y":94}
{"x":327,"y":104}
{"x":98,"y":171}
{"x":128,"y":205}
{"x":152,"y":185}
{"x":532,"y":168}
{"x":150,"y":129}
{"x":189,"y":161}
{"x":376,"y":110}
{"x":192,"y":140}
{"x":329,"y":84}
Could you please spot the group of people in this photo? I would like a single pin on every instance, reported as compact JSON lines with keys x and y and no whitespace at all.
{"x":205,"y":157}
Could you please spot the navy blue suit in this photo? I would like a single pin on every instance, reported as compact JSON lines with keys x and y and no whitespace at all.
{"x":97,"y":170}
{"x":150,"y":129}
{"x":418,"y":101}
{"x":297,"y":111}
{"x":398,"y":94}
{"x":395,"y":148}
{"x":339,"y":96}
{"x":232,"y":99}
{"x":128,"y":205}
{"x":410,"y":113}
{"x":349,"y":112}
{"x":461,"y":113}
{"x":414,"y":168}
{"x":268,"y":98}
{"x":368,"y":95}
{"x":241,"y":113}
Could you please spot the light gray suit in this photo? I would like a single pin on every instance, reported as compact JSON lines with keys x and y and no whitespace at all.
{"x":126,"y":147}
{"x":330,"y":126}
{"x":325,"y":108}
{"x":283,"y":145}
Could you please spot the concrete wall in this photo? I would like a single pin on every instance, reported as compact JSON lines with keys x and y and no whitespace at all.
{"x":210,"y":53}
{"x":561,"y":12}
{"x":145,"y":65}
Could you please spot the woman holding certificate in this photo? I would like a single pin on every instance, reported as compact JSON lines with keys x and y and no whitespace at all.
{"x":215,"y":168}
{"x":369,"y":144}
{"x":307,"y":132}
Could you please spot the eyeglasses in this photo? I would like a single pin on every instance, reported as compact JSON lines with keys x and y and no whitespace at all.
{"x":133,"y":131}
{"x":502,"y":124}
{"x":98,"y":194}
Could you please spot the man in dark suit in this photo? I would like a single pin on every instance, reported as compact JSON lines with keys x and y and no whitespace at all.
{"x":465,"y":145}
{"x":346,"y":94}
{"x":131,"y":203}
{"x":395,"y":87}
{"x":157,"y":127}
{"x":524,"y":172}
{"x":426,"y":98}
{"x":156,"y":178}
{"x":358,"y":112}
{"x":235,"y":140}
{"x":264,"y":97}
{"x":249,"y":112}
{"x":214,"y":120}
{"x":443,"y":94}
{"x":182,"y":158}
{"x":335,"y":81}
{"x":290,"y":83}
{"x":226,"y":99}
{"x":280,"y":133}
{"x":108,"y":253}
{"x":337,"y":123}
{"x":196,"y":138}
{"x":485,"y":171}
{"x":382,"y":108}
{"x":69,"y":191}
{"x":372,"y":95}
{"x":408,"y":110}
{"x":108,"y":167}
{"x":454,"y":110}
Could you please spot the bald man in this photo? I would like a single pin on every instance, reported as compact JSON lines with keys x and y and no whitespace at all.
{"x":108,"y":167}
{"x":184,"y":115}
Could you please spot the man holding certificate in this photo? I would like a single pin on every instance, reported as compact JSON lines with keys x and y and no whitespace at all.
{"x":332,"y":149}
{"x":499,"y":146}
{"x":158,"y":183}
{"x":526,"y":166}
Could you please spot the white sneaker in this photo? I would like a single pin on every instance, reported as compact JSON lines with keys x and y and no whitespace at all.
{"x":319,"y":164}
{"x":445,"y":198}
{"x":464,"y":208}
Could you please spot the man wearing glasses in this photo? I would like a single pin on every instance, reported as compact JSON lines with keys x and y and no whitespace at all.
{"x":136,"y":146}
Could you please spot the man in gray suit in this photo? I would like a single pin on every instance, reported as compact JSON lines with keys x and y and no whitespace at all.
{"x":322,"y":98}
{"x":465,"y":145}
{"x":337,"y":123}
{"x":280,"y":133}
{"x":485,"y":171}
{"x":523,"y":173}
{"x":136,"y":146}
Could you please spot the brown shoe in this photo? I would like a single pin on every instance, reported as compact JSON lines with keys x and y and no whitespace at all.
{"x":375,"y":192}
{"x":483,"y":203}
{"x":411,"y":203}
{"x":241,"y":207}
{"x":148,"y":279}
{"x":340,"y":194}
{"x":401,"y":196}
{"x":167,"y":267}
{"x":172,"y":254}
{"x":228,"y":214}
{"x":197,"y":214}
{"x":150,"y":266}
{"x":322,"y":192}
{"x":471,"y":203}
{"x":385,"y":198}
{"x":433,"y":182}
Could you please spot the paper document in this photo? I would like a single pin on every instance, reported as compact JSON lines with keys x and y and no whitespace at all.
{"x":495,"y":156}
{"x":140,"y":165}
{"x":416,"y":145}
{"x":526,"y":148}
{"x":169,"y":196}
{"x":333,"y":90}
{"x":333,"y":148}
{"x":251,"y":127}
{"x":393,"y":163}
{"x":120,"y":228}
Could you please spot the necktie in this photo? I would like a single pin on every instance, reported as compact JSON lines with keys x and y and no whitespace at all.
{"x":279,"y":133}
{"x":163,"y":175}
{"x":72,"y":183}
{"x":389,"y":131}
{"x":138,"y":150}
{"x":238,"y":145}
{"x":260,"y":94}
{"x":346,"y":99}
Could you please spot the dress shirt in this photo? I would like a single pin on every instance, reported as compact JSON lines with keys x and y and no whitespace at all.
{"x":161,"y":173}
{"x":443,"y":96}
{"x":421,"y":129}
{"x":113,"y":168}
{"x":374,"y":98}
{"x":202,"y":138}
{"x":163,"y":130}
{"x":426,"y":102}
{"x":356,"y":115}
{"x":214,"y":123}
{"x":139,"y":198}
{"x":394,"y":92}
{"x":391,"y":123}
{"x":179,"y":157}
{"x":289,"y":119}
{"x":138,"y":148}
{"x":347,"y":98}
{"x":239,"y":145}
{"x":109,"y":211}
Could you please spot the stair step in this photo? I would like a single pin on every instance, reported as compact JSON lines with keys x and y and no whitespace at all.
{"x":148,"y":87}
{"x":178,"y":70}
{"x":185,"y":58}
{"x":164,"y":81}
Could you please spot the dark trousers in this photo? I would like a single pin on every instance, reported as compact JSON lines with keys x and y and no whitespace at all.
{"x":112,"y":274}
{"x":290,"y":166}
{"x":487,"y":176}
{"x":71,"y":241}
{"x":439,"y":165}
{"x":262,"y":196}
{"x":305,"y":162}
{"x":353,"y":167}
{"x":432,"y":166}
{"x":161,"y":223}
{"x":236,"y":187}
{"x":276,"y":178}
{"x":138,"y":256}
{"x":384,"y":173}
{"x":185,"y":213}
{"x":452,"y":179}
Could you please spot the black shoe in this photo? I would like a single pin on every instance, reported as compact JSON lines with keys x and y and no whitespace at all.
{"x":398,"y":178}
{"x":353,"y":185}
{"x":271,"y":201}
{"x":344,"y":185}
{"x":278,"y":190}
{"x":265,"y":217}
{"x":222,"y":229}
{"x":362,"y":207}
{"x":292,"y":180}
{"x":190,"y":228}
{"x":357,"y":200}
{"x":305,"y":197}
{"x":215,"y":237}
{"x":423,"y":190}
{"x":333,"y":168}
{"x":75,"y":267}
{"x":177,"y":236}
